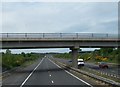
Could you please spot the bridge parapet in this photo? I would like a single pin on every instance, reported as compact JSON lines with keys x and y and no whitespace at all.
{"x":24,"y":36}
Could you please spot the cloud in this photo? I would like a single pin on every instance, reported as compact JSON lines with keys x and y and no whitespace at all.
{"x":54,"y":17}
{"x":57,"y":17}
{"x":59,"y":0}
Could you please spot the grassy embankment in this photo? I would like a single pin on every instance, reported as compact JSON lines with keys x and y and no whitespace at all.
{"x":109,"y":55}
{"x":10,"y":60}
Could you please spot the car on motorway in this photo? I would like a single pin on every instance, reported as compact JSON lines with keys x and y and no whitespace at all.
{"x":70,"y":60}
{"x":80,"y":62}
{"x":103,"y":65}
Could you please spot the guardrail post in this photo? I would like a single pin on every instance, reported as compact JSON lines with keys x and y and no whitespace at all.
{"x":7,"y":35}
{"x":92,"y":34}
{"x":25,"y":35}
{"x":107,"y":35}
{"x":43,"y":35}
{"x":77,"y":35}
{"x":60,"y":35}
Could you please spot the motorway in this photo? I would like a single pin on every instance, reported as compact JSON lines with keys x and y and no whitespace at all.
{"x":113,"y":70}
{"x":43,"y":72}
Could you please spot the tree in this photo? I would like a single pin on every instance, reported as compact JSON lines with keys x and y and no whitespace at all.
{"x":105,"y":51}
{"x":23,"y":54}
{"x":8,"y":51}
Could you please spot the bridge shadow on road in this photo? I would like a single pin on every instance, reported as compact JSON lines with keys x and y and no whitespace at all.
{"x":41,"y":70}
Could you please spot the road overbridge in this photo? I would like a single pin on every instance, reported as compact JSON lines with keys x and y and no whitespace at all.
{"x":74,"y":41}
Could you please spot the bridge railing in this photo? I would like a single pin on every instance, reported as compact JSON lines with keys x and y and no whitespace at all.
{"x":57,"y":35}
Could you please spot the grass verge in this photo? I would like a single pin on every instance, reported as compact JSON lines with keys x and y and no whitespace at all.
{"x":99,"y":74}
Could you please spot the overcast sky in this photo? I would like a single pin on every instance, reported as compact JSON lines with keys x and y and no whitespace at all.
{"x":60,"y":17}
{"x":57,"y":17}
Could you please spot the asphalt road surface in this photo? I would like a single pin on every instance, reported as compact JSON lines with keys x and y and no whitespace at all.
{"x":111,"y":70}
{"x":46,"y":72}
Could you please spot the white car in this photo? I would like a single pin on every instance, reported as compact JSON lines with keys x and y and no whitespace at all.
{"x":80,"y":62}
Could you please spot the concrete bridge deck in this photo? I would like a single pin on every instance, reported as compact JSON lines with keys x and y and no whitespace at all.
{"x":57,"y":40}
{"x":74,"y":41}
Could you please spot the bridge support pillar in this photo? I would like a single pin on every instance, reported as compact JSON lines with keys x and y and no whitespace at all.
{"x":74,"y":57}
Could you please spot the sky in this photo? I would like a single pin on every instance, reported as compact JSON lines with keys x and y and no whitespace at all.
{"x":66,"y":17}
{"x":58,"y":17}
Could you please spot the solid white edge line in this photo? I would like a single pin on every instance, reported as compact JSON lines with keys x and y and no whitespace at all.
{"x":31,"y":73}
{"x":72,"y":74}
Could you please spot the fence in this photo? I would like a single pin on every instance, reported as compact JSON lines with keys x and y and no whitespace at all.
{"x":58,"y":35}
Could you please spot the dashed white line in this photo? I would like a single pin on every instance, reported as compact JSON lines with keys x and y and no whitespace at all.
{"x":31,"y":73}
{"x":72,"y":74}
{"x":49,"y":75}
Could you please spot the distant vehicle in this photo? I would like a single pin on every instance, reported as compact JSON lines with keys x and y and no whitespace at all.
{"x":80,"y":62}
{"x":70,"y":60}
{"x":103,"y":65}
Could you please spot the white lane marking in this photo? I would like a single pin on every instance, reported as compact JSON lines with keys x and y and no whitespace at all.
{"x":49,"y":73}
{"x":52,"y":81}
{"x":72,"y":74}
{"x":78,"y":78}
{"x":31,"y":73}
